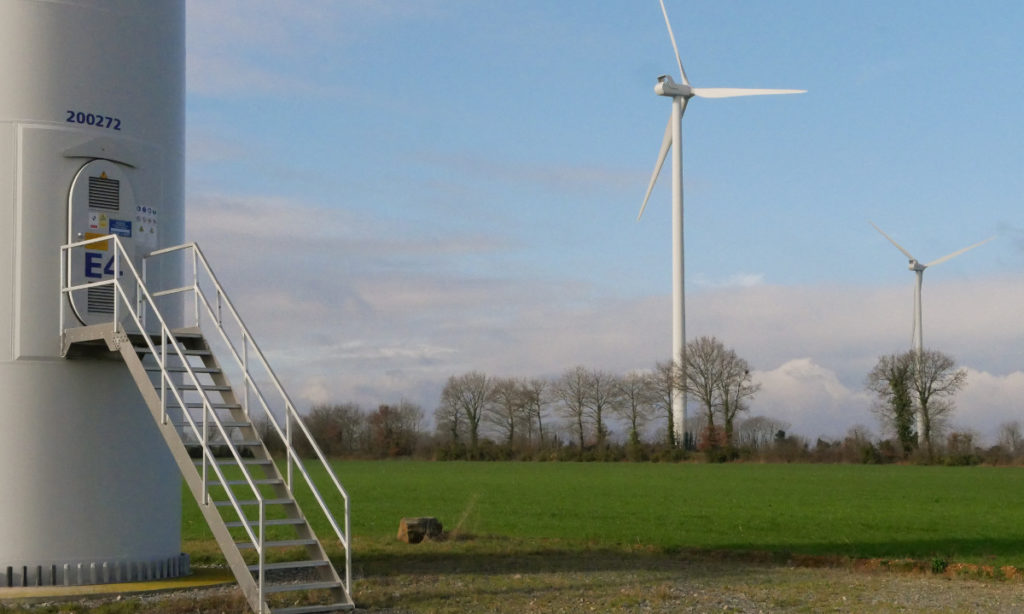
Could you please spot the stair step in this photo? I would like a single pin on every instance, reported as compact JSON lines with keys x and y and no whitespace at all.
{"x":283,"y":501}
{"x":176,"y":369}
{"x":262,"y":482}
{"x":304,"y":586}
{"x":290,"y":565}
{"x":315,"y":609}
{"x":247,"y":443}
{"x":207,"y":387}
{"x":142,"y":349}
{"x":284,"y":543}
{"x":227,"y":462}
{"x":277,"y":522}
{"x":225,"y":423}
{"x":197,"y":405}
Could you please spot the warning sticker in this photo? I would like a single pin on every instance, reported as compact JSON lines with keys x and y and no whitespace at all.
{"x":121,"y":228}
{"x":98,"y":246}
{"x":146,"y":223}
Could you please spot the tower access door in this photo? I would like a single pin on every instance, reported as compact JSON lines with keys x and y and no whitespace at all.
{"x":103,"y":202}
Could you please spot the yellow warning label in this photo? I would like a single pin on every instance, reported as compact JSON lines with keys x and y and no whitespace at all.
{"x":98,"y":246}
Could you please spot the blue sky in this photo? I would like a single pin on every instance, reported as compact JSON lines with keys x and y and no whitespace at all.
{"x":399,"y":191}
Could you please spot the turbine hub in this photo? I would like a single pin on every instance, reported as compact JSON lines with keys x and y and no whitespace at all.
{"x":667,"y":87}
{"x":915,"y":265}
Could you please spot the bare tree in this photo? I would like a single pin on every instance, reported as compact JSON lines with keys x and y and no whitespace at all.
{"x":1010,"y":438}
{"x":704,"y":370}
{"x":507,"y":407}
{"x":335,"y":428}
{"x":735,"y":388}
{"x":758,"y":432}
{"x":570,"y":391}
{"x":891,"y":381}
{"x":665,"y":381}
{"x":535,"y":393}
{"x":719,"y":380}
{"x":464,"y":398}
{"x":936,"y":381}
{"x":449,"y":422}
{"x":601,"y":398}
{"x":638,"y":398}
{"x":394,"y":429}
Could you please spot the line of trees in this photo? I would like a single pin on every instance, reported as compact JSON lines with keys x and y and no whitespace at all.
{"x":576,"y":414}
{"x":590,"y":414}
{"x":347,"y":430}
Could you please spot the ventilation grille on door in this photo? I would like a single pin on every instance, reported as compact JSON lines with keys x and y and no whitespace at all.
{"x":100,"y":300}
{"x":104,"y":193}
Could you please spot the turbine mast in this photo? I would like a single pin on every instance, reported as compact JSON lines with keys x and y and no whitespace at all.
{"x":678,"y":269}
{"x":918,"y":342}
{"x":918,"y":337}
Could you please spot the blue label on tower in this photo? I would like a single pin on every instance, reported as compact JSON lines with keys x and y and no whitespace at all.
{"x":121,"y":228}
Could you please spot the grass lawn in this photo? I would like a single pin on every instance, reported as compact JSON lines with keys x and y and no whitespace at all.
{"x":957,"y":514}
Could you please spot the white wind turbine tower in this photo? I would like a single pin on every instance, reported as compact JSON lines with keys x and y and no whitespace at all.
{"x":917,"y":338}
{"x":680,"y":93}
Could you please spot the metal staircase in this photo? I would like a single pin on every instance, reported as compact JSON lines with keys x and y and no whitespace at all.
{"x":170,"y":339}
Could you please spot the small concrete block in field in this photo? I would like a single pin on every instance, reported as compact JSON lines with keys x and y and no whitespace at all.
{"x":413,"y":530}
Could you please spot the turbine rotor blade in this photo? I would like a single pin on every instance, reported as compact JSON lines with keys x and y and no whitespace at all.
{"x":898,"y":246}
{"x":672,"y":37}
{"x":958,"y":252}
{"x":734,"y":92}
{"x":666,"y":143}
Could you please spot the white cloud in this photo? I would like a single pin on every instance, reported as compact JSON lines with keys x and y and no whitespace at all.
{"x":988,"y":401}
{"x":812,"y":399}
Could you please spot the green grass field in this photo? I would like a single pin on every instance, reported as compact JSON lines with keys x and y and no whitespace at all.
{"x":968,"y":514}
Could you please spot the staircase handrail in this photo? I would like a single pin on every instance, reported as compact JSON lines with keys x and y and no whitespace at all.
{"x":291,"y":413}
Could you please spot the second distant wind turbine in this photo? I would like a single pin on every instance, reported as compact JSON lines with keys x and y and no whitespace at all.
{"x":917,"y":340}
{"x":680,"y":93}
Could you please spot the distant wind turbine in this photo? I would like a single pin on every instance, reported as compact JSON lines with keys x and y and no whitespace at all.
{"x":680,"y":93}
{"x":917,"y":338}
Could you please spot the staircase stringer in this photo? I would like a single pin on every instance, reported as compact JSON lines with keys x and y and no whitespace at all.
{"x":118,"y":341}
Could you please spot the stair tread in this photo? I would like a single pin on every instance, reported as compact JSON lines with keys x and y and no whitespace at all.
{"x":260,"y":482}
{"x":280,"y":543}
{"x":231,"y":461}
{"x":279,"y":501}
{"x":212,"y":387}
{"x":234,"y":524}
{"x":226,"y":424}
{"x":143,"y":349}
{"x":176,"y":369}
{"x":315,"y":609}
{"x":301,"y":586}
{"x":291,"y":565}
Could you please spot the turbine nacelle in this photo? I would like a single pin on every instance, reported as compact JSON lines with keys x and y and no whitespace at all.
{"x":916,"y":266}
{"x":667,"y":87}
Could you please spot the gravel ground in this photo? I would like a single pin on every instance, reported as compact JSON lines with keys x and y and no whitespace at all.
{"x":696,"y":587}
{"x":662,"y":584}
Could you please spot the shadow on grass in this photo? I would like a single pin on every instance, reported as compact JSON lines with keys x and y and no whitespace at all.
{"x":499,"y":556}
